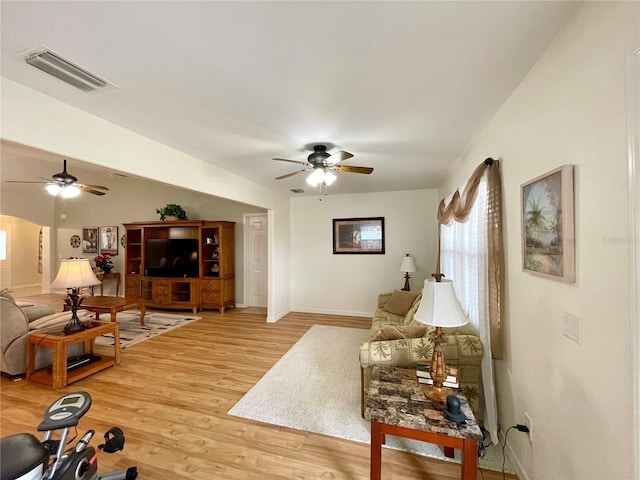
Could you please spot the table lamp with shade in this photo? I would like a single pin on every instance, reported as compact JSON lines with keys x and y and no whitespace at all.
{"x":74,"y":274}
{"x":408,"y":266}
{"x":439,"y":308}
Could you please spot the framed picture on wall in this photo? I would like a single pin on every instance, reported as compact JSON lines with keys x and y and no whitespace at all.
{"x":548,"y":239}
{"x":90,"y":240}
{"x":109,"y":240}
{"x":358,"y":235}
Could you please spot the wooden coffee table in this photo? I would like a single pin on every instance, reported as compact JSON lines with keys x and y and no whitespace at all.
{"x":111,"y":305}
{"x":58,"y":376}
{"x":396,"y":405}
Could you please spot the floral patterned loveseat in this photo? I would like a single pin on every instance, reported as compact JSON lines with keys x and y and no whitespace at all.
{"x":397,"y":339}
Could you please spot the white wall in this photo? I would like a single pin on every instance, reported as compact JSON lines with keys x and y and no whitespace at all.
{"x":322,"y":282}
{"x":33,"y":119}
{"x":570,"y":109}
{"x":22,"y":261}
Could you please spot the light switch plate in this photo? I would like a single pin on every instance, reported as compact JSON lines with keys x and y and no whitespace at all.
{"x":572,"y":327}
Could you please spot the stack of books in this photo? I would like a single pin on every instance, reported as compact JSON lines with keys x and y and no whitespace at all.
{"x":451,"y":380}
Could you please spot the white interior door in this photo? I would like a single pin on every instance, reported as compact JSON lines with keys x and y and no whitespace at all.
{"x":256,"y":266}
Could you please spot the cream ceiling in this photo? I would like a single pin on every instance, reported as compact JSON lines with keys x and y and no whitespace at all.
{"x":404,"y":86}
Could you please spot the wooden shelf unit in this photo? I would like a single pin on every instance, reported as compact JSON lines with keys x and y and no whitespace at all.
{"x":217,"y":282}
{"x":214,"y":285}
{"x":165,"y":292}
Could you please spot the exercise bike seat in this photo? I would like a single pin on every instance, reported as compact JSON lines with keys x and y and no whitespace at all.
{"x":21,"y":454}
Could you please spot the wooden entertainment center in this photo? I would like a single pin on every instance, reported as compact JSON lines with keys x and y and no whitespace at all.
{"x":181,"y":264}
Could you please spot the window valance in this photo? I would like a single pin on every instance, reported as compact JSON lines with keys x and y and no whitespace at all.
{"x":458,"y":210}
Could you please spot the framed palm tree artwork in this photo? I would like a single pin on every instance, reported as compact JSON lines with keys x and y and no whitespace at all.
{"x":548,"y":238}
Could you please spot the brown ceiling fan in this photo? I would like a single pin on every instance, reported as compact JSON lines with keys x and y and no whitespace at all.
{"x":64,"y":181}
{"x":323,"y":161}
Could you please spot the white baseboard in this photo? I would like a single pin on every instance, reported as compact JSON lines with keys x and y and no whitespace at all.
{"x":515,"y":462}
{"x":278,"y":316}
{"x":29,"y":285}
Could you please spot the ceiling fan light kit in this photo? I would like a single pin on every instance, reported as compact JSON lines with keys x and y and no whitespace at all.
{"x":321,"y":176}
{"x":70,"y":191}
{"x":65,"y":191}
{"x":322,"y":164}
{"x":53,"y":189}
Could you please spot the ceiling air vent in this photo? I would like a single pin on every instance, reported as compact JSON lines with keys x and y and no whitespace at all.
{"x":61,"y":68}
{"x":297,"y":190}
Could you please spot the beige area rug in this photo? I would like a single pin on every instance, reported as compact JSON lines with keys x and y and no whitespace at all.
{"x":315,"y":387}
{"x":156,"y":323}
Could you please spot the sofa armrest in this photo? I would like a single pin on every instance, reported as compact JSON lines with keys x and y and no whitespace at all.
{"x":37,"y":311}
{"x":58,"y":318}
{"x":13,"y":322}
{"x":383,"y":298}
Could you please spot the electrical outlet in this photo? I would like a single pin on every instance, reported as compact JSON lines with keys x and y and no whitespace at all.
{"x":529,"y":423}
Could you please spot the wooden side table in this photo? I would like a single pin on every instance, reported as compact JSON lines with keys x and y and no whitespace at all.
{"x":109,"y":276}
{"x":57,"y":376}
{"x":397,"y":406}
{"x":110,"y":305}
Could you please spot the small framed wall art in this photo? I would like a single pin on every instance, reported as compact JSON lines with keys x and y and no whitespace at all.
{"x":358,"y":235}
{"x":109,"y":240}
{"x":548,"y":238}
{"x":90,"y":240}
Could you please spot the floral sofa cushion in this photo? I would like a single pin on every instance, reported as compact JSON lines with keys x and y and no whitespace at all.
{"x":463,"y":349}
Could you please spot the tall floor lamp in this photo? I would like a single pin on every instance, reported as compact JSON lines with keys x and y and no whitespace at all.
{"x":439,"y":308}
{"x":74,"y":274}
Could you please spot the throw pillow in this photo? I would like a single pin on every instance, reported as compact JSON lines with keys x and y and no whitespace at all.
{"x":393,"y":332}
{"x":400,"y":302}
{"x":408,"y":318}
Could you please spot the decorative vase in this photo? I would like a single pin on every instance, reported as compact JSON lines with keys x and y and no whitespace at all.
{"x":170,"y":218}
{"x":106,"y":269}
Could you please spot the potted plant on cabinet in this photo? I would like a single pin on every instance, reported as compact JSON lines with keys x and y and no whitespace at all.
{"x":172,"y":212}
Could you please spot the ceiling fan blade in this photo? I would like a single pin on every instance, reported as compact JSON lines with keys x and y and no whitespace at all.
{"x":338,"y":157}
{"x":290,"y":161}
{"x":291,"y":174}
{"x":23,"y":181}
{"x":349,"y":168}
{"x":95,"y":186}
{"x":88,"y":189}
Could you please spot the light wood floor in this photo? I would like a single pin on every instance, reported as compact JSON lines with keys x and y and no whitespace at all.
{"x":170,"y":395}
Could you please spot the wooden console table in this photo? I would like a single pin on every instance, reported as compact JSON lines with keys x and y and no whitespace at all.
{"x":58,"y":376}
{"x":109,"y":276}
{"x":397,"y":406}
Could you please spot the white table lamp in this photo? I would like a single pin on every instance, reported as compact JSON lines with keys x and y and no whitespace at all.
{"x":74,"y":274}
{"x":408,"y":266}
{"x":439,"y":308}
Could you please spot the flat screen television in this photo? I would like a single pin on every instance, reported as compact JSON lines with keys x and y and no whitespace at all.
{"x":171,"y":257}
